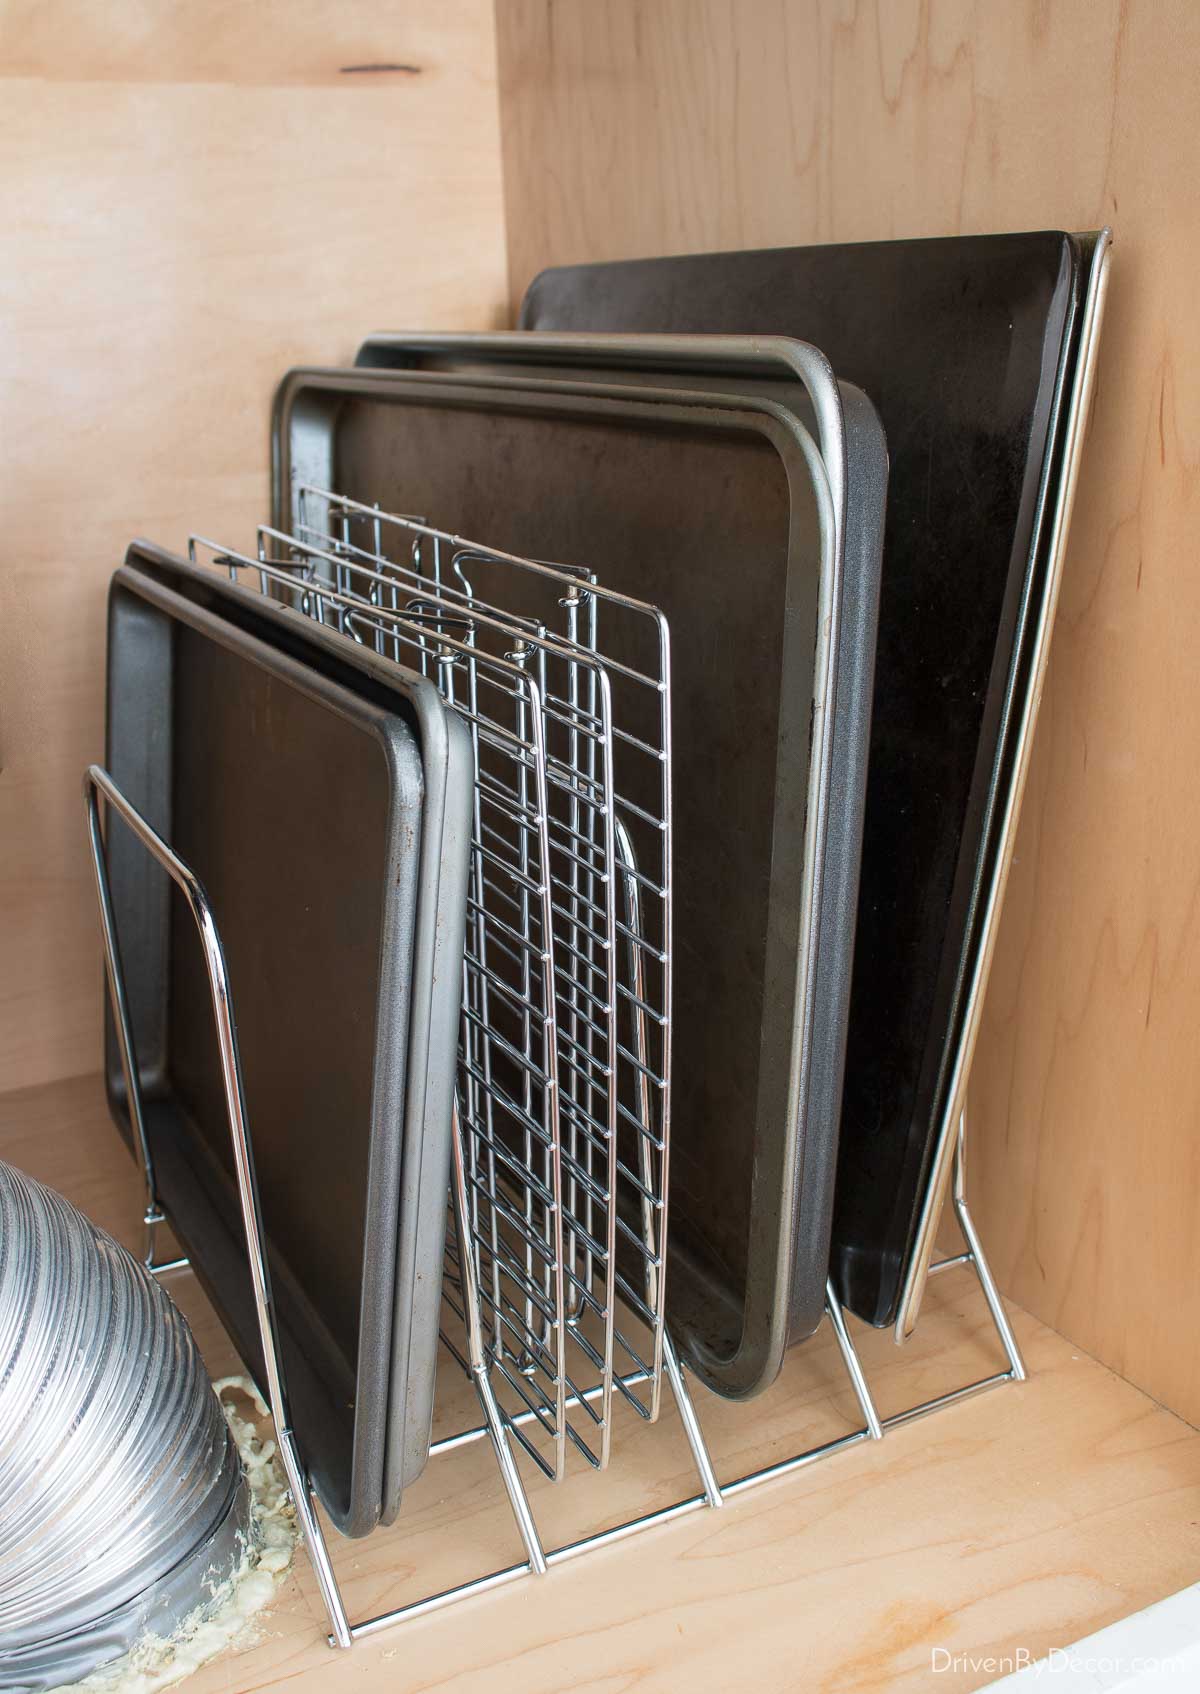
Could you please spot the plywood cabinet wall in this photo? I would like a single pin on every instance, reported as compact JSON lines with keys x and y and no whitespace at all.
{"x":195,"y":197}
{"x":192,"y":197}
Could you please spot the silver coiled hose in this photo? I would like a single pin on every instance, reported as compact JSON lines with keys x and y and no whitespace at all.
{"x":122,"y":1499}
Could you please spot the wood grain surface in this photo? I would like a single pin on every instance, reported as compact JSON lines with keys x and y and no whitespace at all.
{"x":1022,"y":1519}
{"x":196,"y":197}
{"x":193,"y":198}
{"x":696,"y":124}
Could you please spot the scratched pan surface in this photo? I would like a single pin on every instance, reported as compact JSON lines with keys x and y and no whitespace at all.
{"x":235,"y":746}
{"x":782,"y":372}
{"x":708,"y":506}
{"x":960,"y":344}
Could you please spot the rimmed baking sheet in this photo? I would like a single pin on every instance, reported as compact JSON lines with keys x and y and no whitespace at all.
{"x":326,"y":867}
{"x":709,"y":508}
{"x":960,"y":344}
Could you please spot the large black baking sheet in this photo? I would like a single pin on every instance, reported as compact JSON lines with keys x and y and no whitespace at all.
{"x":959,"y":343}
{"x":761,"y":367}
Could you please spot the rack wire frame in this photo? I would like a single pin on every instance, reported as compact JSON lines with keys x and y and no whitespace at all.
{"x":585,"y":911}
{"x":496,"y":1425}
{"x":711,"y":1495}
{"x":323,"y":535}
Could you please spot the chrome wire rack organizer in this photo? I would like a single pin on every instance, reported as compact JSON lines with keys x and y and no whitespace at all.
{"x":554,"y":1284}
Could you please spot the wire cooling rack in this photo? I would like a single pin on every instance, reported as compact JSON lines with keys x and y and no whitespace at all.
{"x":564,"y":1089}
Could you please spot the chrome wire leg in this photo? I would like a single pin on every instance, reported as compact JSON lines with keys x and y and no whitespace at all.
{"x":97,"y":782}
{"x":979,"y":1258}
{"x":990,"y":1292}
{"x":123,"y":1028}
{"x":852,"y":1363}
{"x":518,"y":1498}
{"x":152,"y":1217}
{"x":314,"y":1538}
{"x":691,"y":1424}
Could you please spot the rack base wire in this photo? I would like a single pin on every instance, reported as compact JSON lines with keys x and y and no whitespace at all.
{"x":712,"y":1494}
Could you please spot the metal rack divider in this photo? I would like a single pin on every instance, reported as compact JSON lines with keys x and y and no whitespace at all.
{"x":713,"y":1494}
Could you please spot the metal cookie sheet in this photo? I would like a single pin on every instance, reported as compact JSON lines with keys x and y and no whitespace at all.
{"x":789,"y":373}
{"x":264,"y":769}
{"x":659,"y":493}
{"x":959,"y":343}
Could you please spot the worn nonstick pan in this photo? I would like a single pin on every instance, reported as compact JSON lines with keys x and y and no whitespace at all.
{"x":725,"y":508}
{"x":961,"y":344}
{"x":790,"y":374}
{"x":252,"y":740}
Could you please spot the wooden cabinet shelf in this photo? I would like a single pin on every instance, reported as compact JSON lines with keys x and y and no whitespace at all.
{"x":1028,"y":1517}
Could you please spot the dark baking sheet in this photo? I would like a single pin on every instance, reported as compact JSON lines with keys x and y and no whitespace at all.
{"x":748,"y":368}
{"x":670,"y":490}
{"x":444,"y":857}
{"x":959,"y":344}
{"x":241,"y":742}
{"x":360,"y":1350}
{"x":1019,"y":712}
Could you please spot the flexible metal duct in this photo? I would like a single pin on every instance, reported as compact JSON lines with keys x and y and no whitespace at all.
{"x":122,"y":1500}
